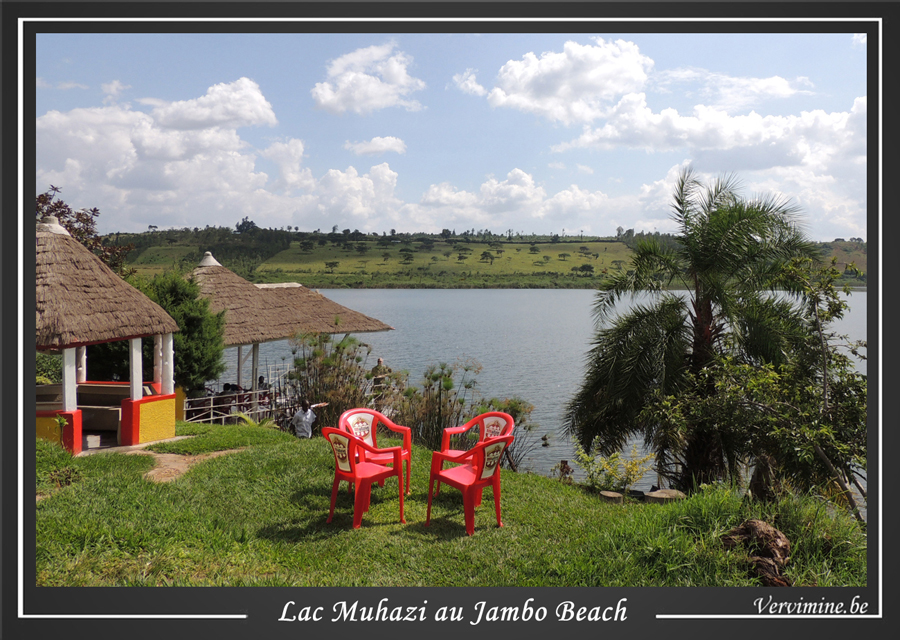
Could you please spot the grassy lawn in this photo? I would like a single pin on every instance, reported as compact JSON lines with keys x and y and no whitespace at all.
{"x":257,"y":517}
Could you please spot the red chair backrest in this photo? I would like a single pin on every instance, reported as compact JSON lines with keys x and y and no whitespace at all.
{"x":343,"y":445}
{"x":362,"y":423}
{"x":495,"y":424}
{"x":487,"y":456}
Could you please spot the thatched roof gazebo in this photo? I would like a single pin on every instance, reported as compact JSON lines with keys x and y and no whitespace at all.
{"x":311,"y":312}
{"x":80,"y":302}
{"x":263,"y":313}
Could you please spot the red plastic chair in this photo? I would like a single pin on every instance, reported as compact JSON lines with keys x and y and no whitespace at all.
{"x":490,"y":425}
{"x":478,"y":468}
{"x":351,"y":466}
{"x":363,"y":423}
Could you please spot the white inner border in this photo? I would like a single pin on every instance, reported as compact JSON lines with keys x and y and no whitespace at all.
{"x":22,"y":199}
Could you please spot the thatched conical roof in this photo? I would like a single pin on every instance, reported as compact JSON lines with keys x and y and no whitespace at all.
{"x":256,"y":314}
{"x":312,"y":312}
{"x":82,"y":301}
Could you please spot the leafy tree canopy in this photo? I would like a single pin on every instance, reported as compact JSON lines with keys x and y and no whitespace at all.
{"x":199,"y":345}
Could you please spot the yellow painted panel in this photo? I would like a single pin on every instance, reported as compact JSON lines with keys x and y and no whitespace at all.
{"x":179,"y":403}
{"x":157,"y":420}
{"x":48,"y":429}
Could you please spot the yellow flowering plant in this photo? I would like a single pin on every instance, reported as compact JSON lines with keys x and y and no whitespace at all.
{"x":613,"y":473}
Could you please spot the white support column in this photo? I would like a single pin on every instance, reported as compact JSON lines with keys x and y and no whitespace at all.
{"x":135,"y":365}
{"x":168,"y":364}
{"x":255,"y":384}
{"x":80,"y":364}
{"x":69,"y":386}
{"x":157,"y":360}
{"x":240,"y":365}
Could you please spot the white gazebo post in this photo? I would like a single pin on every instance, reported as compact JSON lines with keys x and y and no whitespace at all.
{"x":69,"y":386}
{"x":167,"y":385}
{"x":255,"y":386}
{"x":157,"y":361}
{"x":80,"y":364}
{"x":135,"y":365}
{"x":240,"y":365}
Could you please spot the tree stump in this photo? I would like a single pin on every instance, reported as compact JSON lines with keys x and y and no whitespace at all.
{"x":612,"y":496}
{"x":769,"y":550}
{"x":663,"y":495}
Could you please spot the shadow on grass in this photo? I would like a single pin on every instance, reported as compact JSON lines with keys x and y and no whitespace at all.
{"x":315,"y":502}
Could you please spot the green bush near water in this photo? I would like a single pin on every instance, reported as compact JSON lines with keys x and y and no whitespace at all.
{"x":256,"y":517}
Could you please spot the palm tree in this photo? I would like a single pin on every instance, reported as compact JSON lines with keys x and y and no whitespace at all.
{"x":731,"y":254}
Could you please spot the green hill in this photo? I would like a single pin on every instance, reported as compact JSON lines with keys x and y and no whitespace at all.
{"x":357,"y":260}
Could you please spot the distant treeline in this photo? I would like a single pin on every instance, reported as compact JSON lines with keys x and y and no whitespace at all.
{"x":248,"y":239}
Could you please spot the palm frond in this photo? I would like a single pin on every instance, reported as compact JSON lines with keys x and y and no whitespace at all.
{"x":640,"y":351}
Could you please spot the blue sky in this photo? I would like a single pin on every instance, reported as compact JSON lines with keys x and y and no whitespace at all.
{"x":538,"y":133}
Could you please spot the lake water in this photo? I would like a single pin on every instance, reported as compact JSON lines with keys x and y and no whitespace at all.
{"x":532,"y":343}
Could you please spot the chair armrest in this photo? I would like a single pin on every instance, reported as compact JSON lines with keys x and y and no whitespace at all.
{"x":453,"y":431}
{"x":406,"y":431}
{"x":362,"y":444}
{"x":450,"y":457}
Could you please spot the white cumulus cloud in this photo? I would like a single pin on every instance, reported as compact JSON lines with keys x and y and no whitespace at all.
{"x":112,"y":90}
{"x":367,"y":80}
{"x":575,"y":85}
{"x":289,"y":156}
{"x":729,"y":93}
{"x":467,"y":83}
{"x":235,"y":104}
{"x":377,"y":146}
{"x":361,"y":198}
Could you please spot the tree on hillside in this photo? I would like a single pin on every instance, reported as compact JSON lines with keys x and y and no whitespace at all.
{"x":732,"y":253}
{"x":82,"y":225}
{"x":245,"y":226}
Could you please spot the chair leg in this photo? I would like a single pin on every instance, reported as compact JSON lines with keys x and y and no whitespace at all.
{"x":428,"y":514}
{"x":361,"y":503}
{"x":334,"y":492}
{"x":408,"y":486}
{"x":478,"y":497}
{"x":400,"y":489}
{"x":497,"y":502}
{"x":437,"y":486}
{"x":469,"y":509}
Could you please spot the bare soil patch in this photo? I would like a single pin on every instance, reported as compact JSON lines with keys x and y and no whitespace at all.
{"x":171,"y":466}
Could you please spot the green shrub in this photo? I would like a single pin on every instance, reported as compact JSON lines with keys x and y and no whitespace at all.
{"x":614,"y":473}
{"x":48,"y":368}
